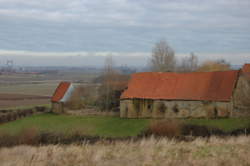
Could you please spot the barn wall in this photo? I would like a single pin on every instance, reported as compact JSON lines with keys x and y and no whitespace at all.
{"x":57,"y":107}
{"x":141,"y":108}
{"x":136,"y":108}
{"x":241,"y":98}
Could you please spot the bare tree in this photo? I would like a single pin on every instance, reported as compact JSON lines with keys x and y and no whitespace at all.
{"x":109,"y":75}
{"x":189,"y":64}
{"x":112,"y":84}
{"x":163,"y":57}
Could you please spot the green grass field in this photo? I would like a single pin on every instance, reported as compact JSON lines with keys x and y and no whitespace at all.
{"x":101,"y":126}
{"x":106,"y":126}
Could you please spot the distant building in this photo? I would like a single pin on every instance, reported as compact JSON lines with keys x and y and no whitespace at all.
{"x":61,"y":95}
{"x":183,"y":95}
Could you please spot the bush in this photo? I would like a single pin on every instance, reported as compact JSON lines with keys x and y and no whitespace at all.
{"x":169,"y":127}
{"x":2,"y":118}
{"x":7,"y":140}
{"x":29,"y":136}
{"x":3,"y":111}
{"x":38,"y":109}
{"x":8,"y":117}
{"x":32,"y":136}
{"x":13,"y":115}
{"x":29,"y":111}
{"x":176,"y":129}
{"x":201,"y":131}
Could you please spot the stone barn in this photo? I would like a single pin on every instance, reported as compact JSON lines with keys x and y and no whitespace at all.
{"x":61,"y":95}
{"x":183,"y":95}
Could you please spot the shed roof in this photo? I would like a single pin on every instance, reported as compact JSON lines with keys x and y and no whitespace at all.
{"x":207,"y":86}
{"x":60,"y":91}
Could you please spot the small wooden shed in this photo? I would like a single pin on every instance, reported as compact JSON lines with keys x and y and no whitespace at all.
{"x":61,"y":95}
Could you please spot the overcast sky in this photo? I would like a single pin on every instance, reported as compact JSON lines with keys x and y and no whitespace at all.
{"x":210,"y":28}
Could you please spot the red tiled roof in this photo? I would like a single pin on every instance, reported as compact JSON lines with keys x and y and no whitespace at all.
{"x":209,"y":86}
{"x":60,"y":91}
{"x":246,"y":68}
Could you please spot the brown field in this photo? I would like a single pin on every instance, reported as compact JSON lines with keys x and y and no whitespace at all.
{"x":17,"y":90}
{"x":17,"y":100}
{"x":23,"y":91}
{"x":202,"y":151}
{"x":5,"y":104}
{"x":39,"y":89}
{"x":6,"y":96}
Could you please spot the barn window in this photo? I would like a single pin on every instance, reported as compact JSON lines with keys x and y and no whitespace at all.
{"x":175,"y":109}
{"x":126,"y":109}
{"x":215,"y":113}
{"x":162,"y":108}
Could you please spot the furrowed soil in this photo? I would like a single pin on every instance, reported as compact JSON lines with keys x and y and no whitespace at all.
{"x":18,"y":90}
{"x":18,"y":100}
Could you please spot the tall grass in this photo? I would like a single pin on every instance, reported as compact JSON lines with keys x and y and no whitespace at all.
{"x":213,"y":151}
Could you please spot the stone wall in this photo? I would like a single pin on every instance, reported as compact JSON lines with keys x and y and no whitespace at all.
{"x":92,"y":112}
{"x":241,"y":97}
{"x":141,"y":108}
{"x":57,"y":107}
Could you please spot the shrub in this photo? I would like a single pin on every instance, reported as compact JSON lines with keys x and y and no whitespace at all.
{"x":1,"y":118}
{"x":7,"y":140}
{"x":38,"y":109}
{"x":3,"y":111}
{"x":201,"y":131}
{"x":218,"y":65}
{"x":29,"y":111}
{"x":19,"y":113}
{"x":8,"y":117}
{"x":13,"y":115}
{"x":4,"y":118}
{"x":29,"y":136}
{"x":169,"y":127}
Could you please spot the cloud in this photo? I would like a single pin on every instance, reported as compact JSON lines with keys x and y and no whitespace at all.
{"x":128,"y":12}
{"x":134,"y":59}
{"x":207,"y":26}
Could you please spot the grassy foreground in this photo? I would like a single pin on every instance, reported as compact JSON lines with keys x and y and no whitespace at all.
{"x":213,"y":151}
{"x":106,"y":126}
{"x":96,"y":126}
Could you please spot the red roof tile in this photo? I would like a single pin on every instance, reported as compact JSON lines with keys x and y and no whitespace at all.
{"x":209,"y":86}
{"x":60,"y":91}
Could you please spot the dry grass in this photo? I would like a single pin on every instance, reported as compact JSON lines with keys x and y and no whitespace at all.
{"x":147,"y":152}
